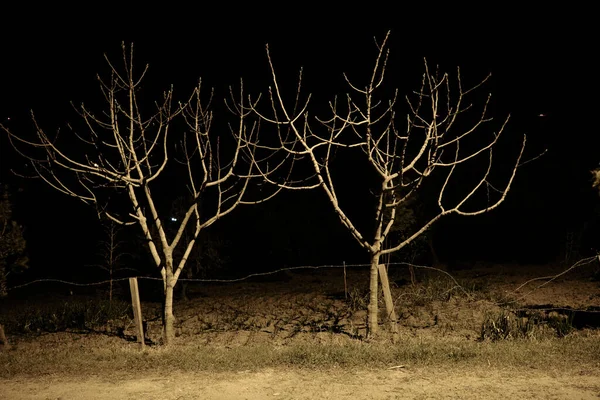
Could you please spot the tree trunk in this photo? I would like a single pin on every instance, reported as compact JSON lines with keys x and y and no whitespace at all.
{"x":373,"y":308}
{"x":169,"y":318}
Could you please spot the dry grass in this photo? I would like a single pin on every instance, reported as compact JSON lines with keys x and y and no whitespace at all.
{"x":91,"y":355}
{"x":307,"y":323}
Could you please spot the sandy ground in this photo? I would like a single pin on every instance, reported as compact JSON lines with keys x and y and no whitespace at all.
{"x":401,"y":383}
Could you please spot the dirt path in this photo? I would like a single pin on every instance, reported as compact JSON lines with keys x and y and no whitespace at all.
{"x":337,"y":384}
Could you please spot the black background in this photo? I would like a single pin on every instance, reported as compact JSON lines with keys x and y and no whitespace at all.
{"x":542,"y":75}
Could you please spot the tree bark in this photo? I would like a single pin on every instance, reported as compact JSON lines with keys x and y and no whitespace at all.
{"x":169,"y":318}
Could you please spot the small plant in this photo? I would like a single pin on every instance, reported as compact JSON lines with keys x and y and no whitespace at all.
{"x":532,"y":325}
{"x":498,"y":327}
{"x":562,"y":324}
{"x":358,"y":299}
{"x":525,"y":327}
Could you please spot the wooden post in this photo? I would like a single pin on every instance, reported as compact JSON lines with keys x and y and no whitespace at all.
{"x":137,"y":310}
{"x":345,"y":283}
{"x":389,"y":303}
{"x":3,"y":341}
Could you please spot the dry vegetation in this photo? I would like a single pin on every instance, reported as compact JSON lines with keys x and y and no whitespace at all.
{"x":298,"y":335}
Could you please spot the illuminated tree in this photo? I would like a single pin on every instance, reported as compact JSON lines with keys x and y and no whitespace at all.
{"x":134,"y":157}
{"x":440,"y":137}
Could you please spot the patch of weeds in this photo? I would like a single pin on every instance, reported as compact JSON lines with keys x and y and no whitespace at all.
{"x":358,"y":299}
{"x":75,"y":315}
{"x":497,"y":327}
{"x":528,"y":327}
{"x":532,"y":325}
{"x":562,"y":324}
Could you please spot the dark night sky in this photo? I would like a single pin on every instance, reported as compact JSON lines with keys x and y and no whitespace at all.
{"x":538,"y":66}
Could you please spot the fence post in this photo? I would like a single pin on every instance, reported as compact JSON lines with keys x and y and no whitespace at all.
{"x":389,"y":302}
{"x":345,"y":282}
{"x":3,"y":341}
{"x":137,"y":310}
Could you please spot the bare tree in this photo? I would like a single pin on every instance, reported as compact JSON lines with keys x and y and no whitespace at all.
{"x":440,"y":139}
{"x":117,"y":163}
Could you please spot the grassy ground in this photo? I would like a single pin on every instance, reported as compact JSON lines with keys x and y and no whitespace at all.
{"x":77,"y":355}
{"x":301,"y":328}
